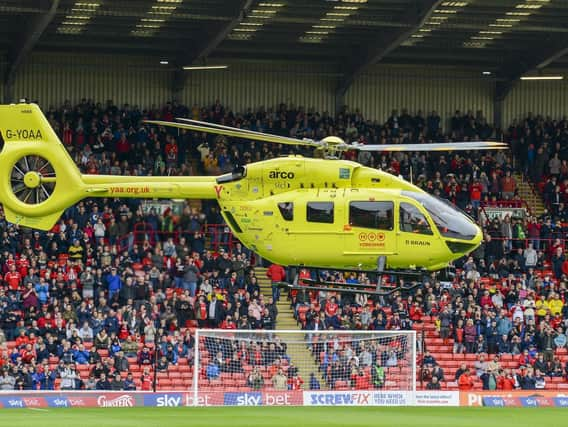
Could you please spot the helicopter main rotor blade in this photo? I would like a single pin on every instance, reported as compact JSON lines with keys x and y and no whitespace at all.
{"x":235,"y":132}
{"x":441,"y":146}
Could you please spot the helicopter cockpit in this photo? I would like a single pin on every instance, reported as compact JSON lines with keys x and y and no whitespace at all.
{"x":450,"y":220}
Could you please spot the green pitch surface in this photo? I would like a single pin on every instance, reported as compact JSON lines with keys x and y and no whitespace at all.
{"x":286,"y":417}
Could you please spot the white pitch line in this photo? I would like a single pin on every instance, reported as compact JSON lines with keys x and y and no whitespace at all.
{"x":38,"y":409}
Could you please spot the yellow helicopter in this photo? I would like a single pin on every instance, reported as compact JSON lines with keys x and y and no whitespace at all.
{"x":319,"y":212}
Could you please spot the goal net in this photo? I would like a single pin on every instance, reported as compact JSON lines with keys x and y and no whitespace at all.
{"x":261,"y":367}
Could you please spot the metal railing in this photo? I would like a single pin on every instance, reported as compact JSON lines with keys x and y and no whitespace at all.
{"x":215,"y":236}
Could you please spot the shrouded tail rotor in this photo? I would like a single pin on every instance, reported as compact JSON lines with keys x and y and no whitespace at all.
{"x":33,"y":180}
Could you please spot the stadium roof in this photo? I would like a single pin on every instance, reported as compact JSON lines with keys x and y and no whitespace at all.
{"x":506,"y":37}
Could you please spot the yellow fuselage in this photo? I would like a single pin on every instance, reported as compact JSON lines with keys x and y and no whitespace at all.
{"x":250,"y":205}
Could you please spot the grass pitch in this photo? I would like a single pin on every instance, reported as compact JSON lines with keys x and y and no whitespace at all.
{"x":285,"y":417}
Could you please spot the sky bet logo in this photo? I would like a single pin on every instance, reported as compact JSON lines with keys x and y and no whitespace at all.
{"x":57,"y":402}
{"x":164,"y":400}
{"x":243,"y":399}
{"x":12,"y":402}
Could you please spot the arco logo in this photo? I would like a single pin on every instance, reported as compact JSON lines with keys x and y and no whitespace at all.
{"x":281,"y":175}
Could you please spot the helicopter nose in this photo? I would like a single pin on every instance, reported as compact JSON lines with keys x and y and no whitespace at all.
{"x":478,"y":237}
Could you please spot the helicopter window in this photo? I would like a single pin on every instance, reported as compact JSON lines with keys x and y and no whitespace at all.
{"x":451,"y":222}
{"x":376,"y":215}
{"x":287,"y":210}
{"x":320,"y":212}
{"x":412,"y":220}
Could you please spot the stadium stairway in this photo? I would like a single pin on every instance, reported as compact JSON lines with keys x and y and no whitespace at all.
{"x":530,"y":195}
{"x":285,"y":314}
{"x":286,"y":321}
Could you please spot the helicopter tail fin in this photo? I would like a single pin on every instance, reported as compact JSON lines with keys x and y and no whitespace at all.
{"x":37,"y":174}
{"x":25,"y":123}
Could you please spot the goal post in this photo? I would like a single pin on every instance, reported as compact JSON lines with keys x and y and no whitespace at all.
{"x":267,"y":367}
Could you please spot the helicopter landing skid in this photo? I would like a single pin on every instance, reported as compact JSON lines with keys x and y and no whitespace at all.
{"x":397,"y":272}
{"x":367,"y":291}
{"x":377,"y":288}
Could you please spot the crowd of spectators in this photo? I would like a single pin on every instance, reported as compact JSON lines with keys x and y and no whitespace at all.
{"x":84,"y":285}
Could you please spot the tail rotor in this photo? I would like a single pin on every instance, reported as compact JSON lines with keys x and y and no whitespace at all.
{"x":33,"y":180}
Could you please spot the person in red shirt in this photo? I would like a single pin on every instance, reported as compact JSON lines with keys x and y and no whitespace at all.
{"x":228,"y":323}
{"x":465,"y":381}
{"x":486,"y":300}
{"x":172,"y":153}
{"x":416,"y":313}
{"x":361,"y":380}
{"x":46,"y":321}
{"x":123,"y":147}
{"x":146,"y":381}
{"x":525,"y":358}
{"x":23,"y":264}
{"x":201,"y":312}
{"x":295,"y":382}
{"x":506,"y":382}
{"x":27,"y":354}
{"x":331,"y":307}
{"x":277,"y":274}
{"x":22,"y":340}
{"x":475,"y":194}
{"x":13,"y":278}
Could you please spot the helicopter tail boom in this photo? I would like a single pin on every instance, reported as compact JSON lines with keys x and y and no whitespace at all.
{"x":160,"y":187}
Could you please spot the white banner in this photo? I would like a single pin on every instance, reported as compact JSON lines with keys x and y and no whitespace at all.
{"x":381,"y":398}
{"x":490,"y":213}
{"x":437,"y":398}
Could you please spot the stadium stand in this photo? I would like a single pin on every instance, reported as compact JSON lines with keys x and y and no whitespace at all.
{"x":115,"y":290}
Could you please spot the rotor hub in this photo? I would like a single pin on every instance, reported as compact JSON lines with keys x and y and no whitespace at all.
{"x":32,"y":179}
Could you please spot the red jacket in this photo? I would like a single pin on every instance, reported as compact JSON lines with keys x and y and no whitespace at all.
{"x":276,"y":273}
{"x":465,"y":382}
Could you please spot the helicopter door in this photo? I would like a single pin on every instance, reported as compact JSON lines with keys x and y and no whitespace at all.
{"x":369,"y":231}
{"x":316,"y":230}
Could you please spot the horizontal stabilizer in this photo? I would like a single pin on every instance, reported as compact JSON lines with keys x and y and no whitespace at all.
{"x":45,"y":223}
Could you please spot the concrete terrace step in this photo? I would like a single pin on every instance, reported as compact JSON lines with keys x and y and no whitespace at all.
{"x":534,"y":199}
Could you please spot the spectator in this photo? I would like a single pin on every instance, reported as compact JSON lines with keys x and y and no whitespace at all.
{"x":68,"y":377}
{"x":117,"y":384}
{"x":103,"y":383}
{"x":280,"y":381}
{"x":129,"y":383}
{"x":276,"y":274}
{"x":314,"y":383}
{"x":489,"y":380}
{"x":91,"y":383}
{"x":7,"y":381}
{"x":465,"y":381}
{"x":434,"y":384}
{"x":255,"y":379}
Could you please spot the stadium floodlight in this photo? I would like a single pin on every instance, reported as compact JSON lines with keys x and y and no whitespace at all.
{"x":269,"y":367}
{"x":205,"y":67}
{"x":542,"y":78}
